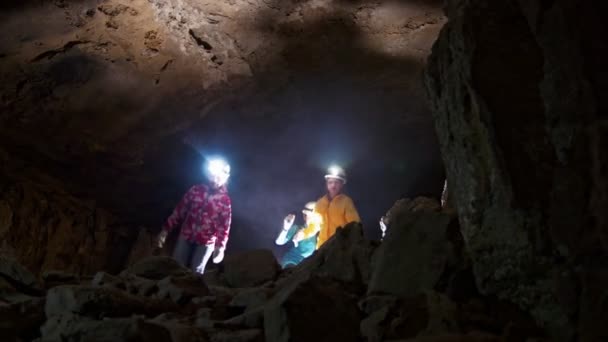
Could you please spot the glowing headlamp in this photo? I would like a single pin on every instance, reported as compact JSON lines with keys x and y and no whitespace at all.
{"x":218,"y":167}
{"x":336,"y":172}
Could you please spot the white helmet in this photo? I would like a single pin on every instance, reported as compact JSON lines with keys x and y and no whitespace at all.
{"x":309,"y":207}
{"x":336,"y":172}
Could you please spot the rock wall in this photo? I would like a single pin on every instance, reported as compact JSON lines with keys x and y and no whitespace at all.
{"x":516,"y":95}
{"x":48,"y":229}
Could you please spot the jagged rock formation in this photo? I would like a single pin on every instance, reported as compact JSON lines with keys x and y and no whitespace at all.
{"x":516,"y":89}
{"x":48,"y":229}
{"x":326,"y":298}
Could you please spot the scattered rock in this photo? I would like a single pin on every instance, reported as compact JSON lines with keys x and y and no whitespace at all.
{"x":101,"y":302}
{"x":17,"y":275}
{"x":181,"y":289}
{"x":156,"y":299}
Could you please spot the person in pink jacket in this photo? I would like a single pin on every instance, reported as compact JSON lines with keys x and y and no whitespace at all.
{"x":204,"y":215}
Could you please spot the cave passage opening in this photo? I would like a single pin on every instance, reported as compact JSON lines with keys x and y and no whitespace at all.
{"x":278,"y":163}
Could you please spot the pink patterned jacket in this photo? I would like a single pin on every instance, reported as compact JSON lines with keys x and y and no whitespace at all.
{"x":205,"y":216}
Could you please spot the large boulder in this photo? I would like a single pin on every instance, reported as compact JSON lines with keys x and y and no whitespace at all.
{"x":13,"y":272}
{"x":414,"y":253}
{"x":346,"y":257}
{"x":426,"y":314}
{"x":312,"y":308}
{"x":250,"y":268}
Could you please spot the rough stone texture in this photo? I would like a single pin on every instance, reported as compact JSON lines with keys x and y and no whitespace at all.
{"x":250,"y":268}
{"x":72,"y":327}
{"x":156,"y":268}
{"x":413,"y":255}
{"x":408,"y":205}
{"x":101,"y":302}
{"x":251,"y":298}
{"x":346,"y":256}
{"x":47,"y":229}
{"x":313,"y":302}
{"x":428,"y":313}
{"x":182,"y":289}
{"x":14,"y":272}
{"x":516,"y":89}
{"x":143,"y":247}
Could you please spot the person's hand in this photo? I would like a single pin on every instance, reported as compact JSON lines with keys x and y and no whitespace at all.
{"x":162,"y":236}
{"x":288,"y":221}
{"x":218,"y":255}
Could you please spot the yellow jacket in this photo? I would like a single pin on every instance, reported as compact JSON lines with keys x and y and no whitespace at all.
{"x":335,"y":213}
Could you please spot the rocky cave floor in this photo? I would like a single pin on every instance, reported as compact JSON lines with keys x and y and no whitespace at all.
{"x":347,"y":291}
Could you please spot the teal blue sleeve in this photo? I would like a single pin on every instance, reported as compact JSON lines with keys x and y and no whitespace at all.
{"x":292,"y":232}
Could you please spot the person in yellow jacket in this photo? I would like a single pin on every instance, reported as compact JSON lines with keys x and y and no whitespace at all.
{"x":336,"y":209}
